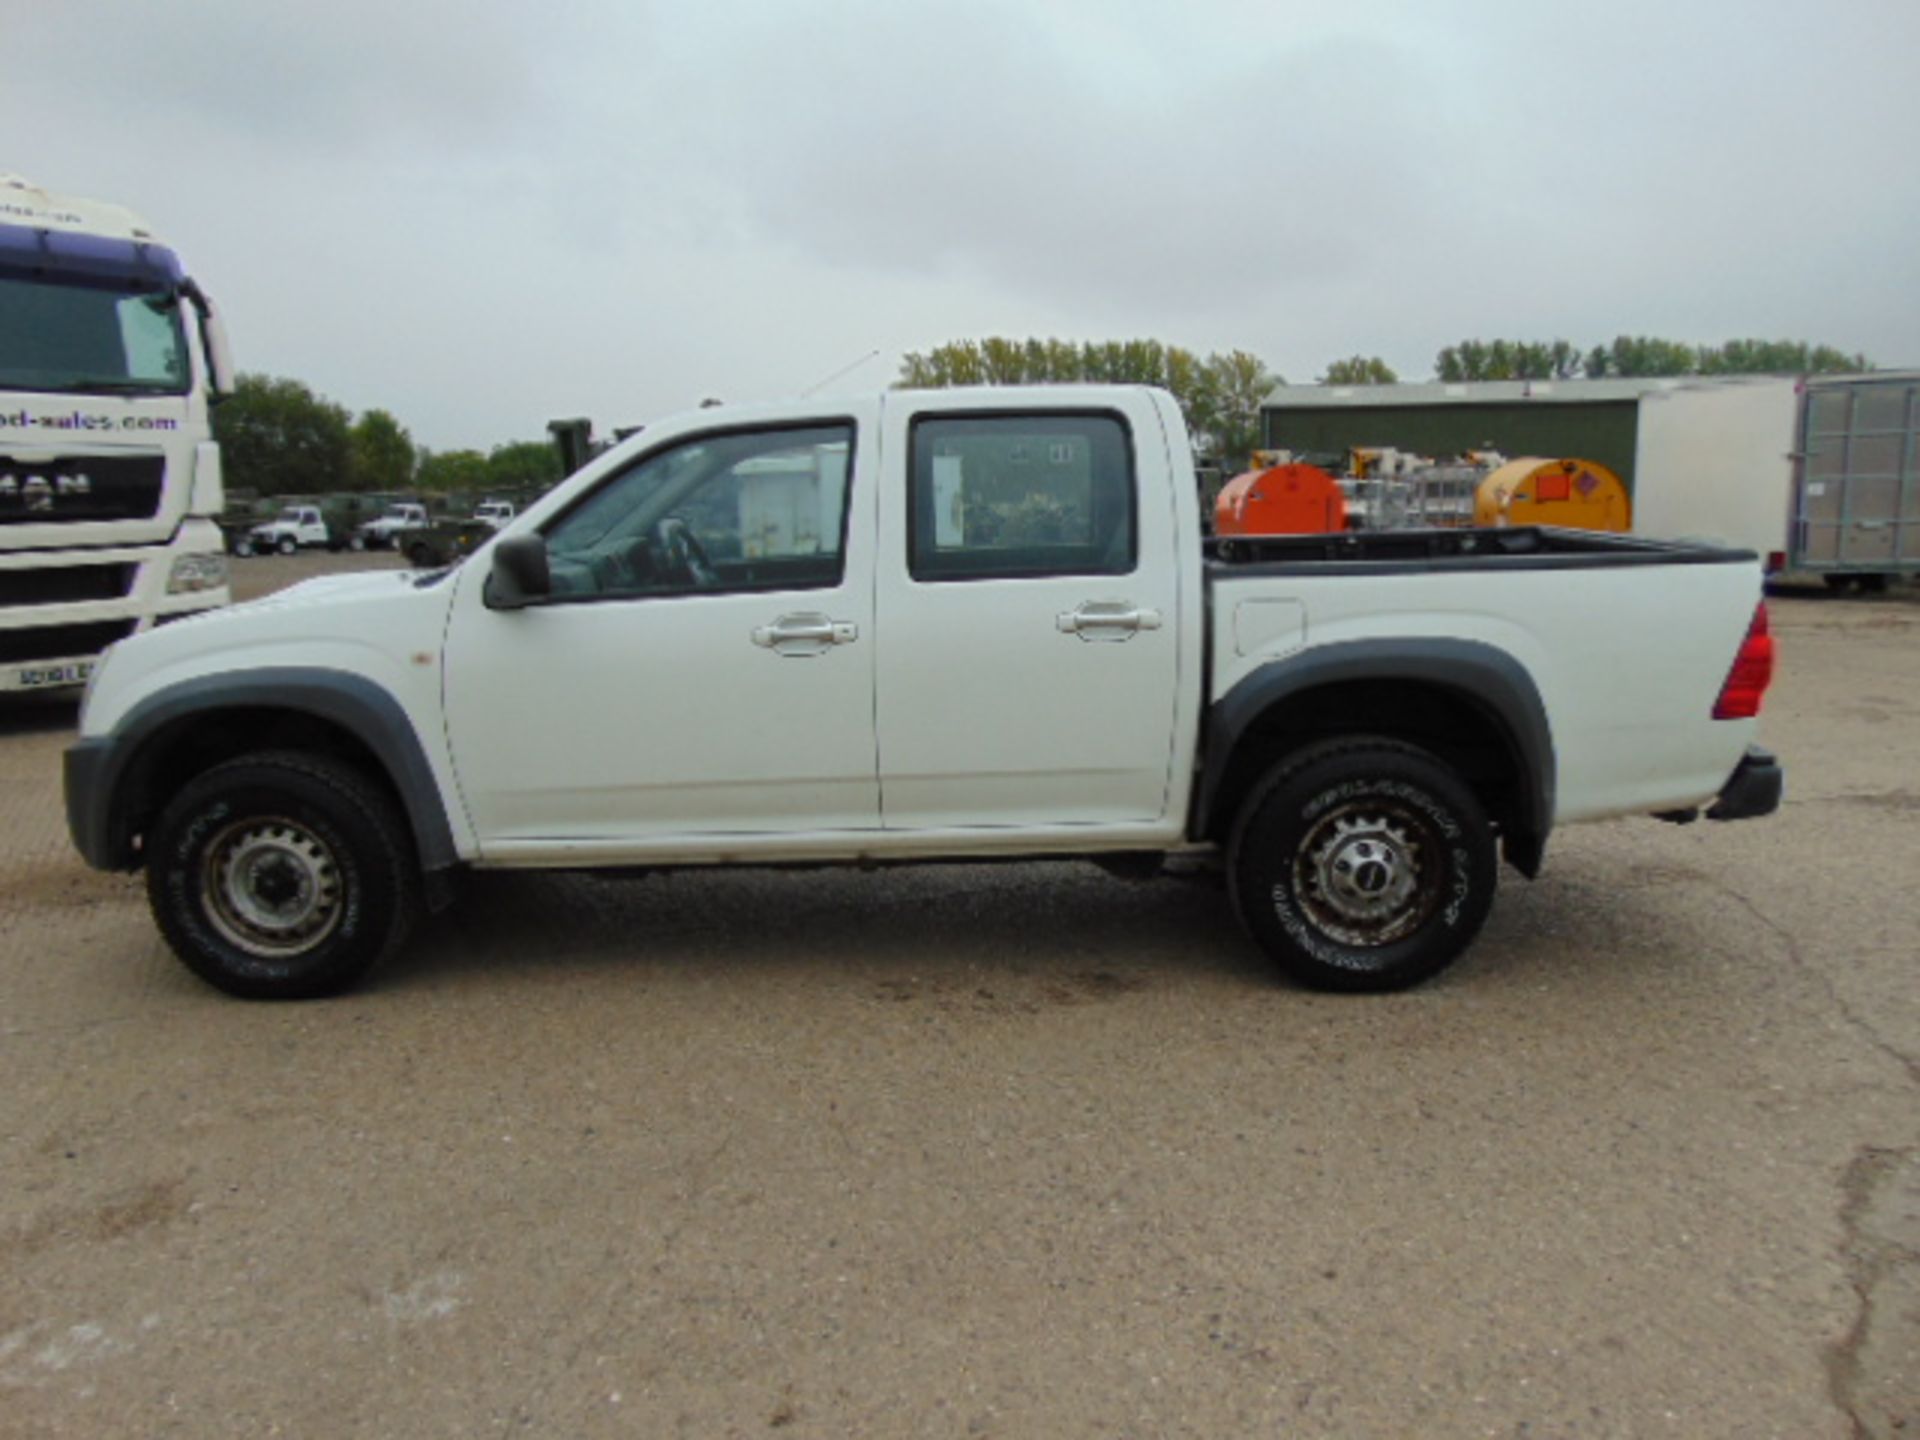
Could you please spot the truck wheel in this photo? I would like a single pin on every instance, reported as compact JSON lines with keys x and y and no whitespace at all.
{"x":280,"y":876}
{"x":1362,"y":864}
{"x":419,"y":556}
{"x":286,"y":545}
{"x":357,"y":542}
{"x":243,"y":547}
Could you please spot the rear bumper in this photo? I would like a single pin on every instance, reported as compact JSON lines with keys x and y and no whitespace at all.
{"x":1753,"y":790}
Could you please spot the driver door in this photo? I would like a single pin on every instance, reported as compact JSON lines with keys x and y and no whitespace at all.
{"x":704,"y":667}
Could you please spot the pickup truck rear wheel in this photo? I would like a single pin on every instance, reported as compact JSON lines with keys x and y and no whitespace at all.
{"x":1362,"y":864}
{"x":281,"y":876}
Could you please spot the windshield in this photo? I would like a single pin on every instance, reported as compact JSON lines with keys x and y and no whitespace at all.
{"x":290,"y":515}
{"x":63,"y":336}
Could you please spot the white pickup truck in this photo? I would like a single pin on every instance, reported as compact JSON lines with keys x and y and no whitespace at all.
{"x":921,"y":626}
{"x":296,"y":527}
{"x":386,"y":532}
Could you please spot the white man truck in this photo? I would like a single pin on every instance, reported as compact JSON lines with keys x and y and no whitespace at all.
{"x":109,"y":475}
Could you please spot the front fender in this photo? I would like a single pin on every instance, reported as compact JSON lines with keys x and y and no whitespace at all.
{"x":105,"y":774}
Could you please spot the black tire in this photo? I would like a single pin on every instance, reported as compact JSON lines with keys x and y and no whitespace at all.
{"x":243,"y":547}
{"x":287,"y":545}
{"x":308,"y":822}
{"x":358,"y":542}
{"x":1332,"y":865}
{"x":420,"y":556}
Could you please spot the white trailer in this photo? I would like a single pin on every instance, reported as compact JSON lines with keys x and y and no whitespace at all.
{"x":109,"y":475}
{"x":1716,"y":460}
{"x":1818,"y":476}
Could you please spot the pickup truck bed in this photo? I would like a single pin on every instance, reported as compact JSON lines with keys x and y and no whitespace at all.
{"x":947,"y":625}
{"x":1631,"y":693}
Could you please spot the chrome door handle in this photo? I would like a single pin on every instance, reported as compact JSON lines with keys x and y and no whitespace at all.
{"x":805,"y":634}
{"x":1106,"y":620}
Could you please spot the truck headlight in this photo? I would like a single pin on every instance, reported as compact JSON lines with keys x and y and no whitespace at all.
{"x":195,"y":572}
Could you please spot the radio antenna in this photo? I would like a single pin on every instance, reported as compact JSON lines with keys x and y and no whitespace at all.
{"x":843,"y":370}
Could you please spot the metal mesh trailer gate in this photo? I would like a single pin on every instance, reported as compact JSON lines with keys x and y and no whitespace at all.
{"x":1858,"y":496}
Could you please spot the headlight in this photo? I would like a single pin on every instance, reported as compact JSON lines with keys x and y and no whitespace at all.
{"x":195,"y":572}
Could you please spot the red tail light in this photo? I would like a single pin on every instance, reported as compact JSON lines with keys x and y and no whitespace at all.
{"x":1751,"y":674}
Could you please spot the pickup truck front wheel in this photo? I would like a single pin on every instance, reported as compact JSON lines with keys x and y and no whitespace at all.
{"x":280,"y":876}
{"x":1362,"y":864}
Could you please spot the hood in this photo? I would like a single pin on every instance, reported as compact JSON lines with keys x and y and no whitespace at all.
{"x":376,"y":623}
{"x":329,"y":589}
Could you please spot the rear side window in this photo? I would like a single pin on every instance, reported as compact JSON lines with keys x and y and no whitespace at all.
{"x":1012,"y":495}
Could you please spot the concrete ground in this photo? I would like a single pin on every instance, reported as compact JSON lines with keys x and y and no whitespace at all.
{"x":1019,"y":1151}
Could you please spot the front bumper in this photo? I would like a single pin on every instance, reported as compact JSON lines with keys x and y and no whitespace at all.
{"x":52,"y":645}
{"x":91,"y":767}
{"x":1753,"y":790}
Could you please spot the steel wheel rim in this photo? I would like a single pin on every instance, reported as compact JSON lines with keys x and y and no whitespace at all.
{"x":1368,"y":873}
{"x":271,"y":887}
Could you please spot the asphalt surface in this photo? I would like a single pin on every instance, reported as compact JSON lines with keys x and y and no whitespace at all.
{"x":1014,"y":1151}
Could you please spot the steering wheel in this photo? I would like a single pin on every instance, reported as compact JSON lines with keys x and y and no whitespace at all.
{"x":681,"y":554}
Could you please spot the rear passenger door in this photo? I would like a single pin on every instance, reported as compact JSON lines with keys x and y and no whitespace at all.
{"x":1026,"y":607}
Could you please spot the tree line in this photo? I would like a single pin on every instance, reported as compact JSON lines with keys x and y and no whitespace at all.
{"x":1632,"y":356}
{"x":277,"y":437}
{"x":1221,"y":394}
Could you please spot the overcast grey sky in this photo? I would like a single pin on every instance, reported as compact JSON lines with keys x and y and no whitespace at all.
{"x":484,"y":214}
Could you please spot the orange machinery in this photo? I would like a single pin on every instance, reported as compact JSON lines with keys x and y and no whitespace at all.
{"x":1579,"y":494}
{"x":1281,"y":500}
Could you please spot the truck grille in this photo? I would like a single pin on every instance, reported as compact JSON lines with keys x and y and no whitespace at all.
{"x":80,"y":487}
{"x":65,"y":584}
{"x":52,"y":642}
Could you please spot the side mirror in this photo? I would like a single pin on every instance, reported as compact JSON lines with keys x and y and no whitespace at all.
{"x":519,"y":577}
{"x":221,"y":377}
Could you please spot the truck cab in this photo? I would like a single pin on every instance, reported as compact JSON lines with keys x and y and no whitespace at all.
{"x":110,"y":484}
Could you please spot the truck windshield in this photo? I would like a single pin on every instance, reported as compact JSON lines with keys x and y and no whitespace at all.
{"x":61,"y":336}
{"x":292,"y":516}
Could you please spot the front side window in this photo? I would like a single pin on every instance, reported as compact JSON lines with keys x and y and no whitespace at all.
{"x":1007,"y":496}
{"x":57,"y":335}
{"x":744,"y":510}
